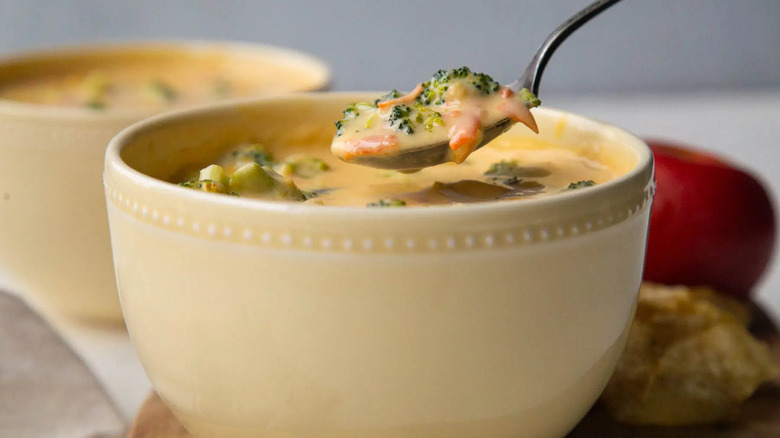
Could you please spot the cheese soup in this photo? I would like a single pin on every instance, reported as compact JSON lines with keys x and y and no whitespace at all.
{"x":152,"y":83}
{"x":508,"y":168}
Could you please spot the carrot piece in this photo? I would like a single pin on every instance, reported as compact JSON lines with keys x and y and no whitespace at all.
{"x":403,"y":99}
{"x":370,"y":145}
{"x":464,"y":130}
{"x":461,"y":136}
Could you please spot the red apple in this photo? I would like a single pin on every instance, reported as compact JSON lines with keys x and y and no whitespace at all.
{"x":712,"y":224}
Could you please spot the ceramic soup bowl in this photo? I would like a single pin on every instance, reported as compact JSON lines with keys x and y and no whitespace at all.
{"x":54,"y":245}
{"x":260,"y":318}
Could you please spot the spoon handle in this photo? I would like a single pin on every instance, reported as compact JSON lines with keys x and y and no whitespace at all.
{"x":533,"y":73}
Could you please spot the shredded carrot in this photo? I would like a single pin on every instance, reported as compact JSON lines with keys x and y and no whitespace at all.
{"x":403,"y":99}
{"x":464,"y":132}
{"x":370,"y":145}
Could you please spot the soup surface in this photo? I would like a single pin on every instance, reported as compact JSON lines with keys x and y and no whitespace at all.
{"x":508,"y":168}
{"x":144,"y":84}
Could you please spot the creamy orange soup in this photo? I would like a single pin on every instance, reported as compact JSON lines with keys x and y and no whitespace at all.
{"x":146,"y":84}
{"x":506,"y":169}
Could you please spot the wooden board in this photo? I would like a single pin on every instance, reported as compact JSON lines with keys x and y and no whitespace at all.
{"x":155,"y":420}
{"x":760,"y":416}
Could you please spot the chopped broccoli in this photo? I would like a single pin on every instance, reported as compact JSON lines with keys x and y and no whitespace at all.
{"x":285,"y":188}
{"x":352,"y":111}
{"x":248,"y":153}
{"x":211,"y":179}
{"x":581,"y":184}
{"x":504,"y":168}
{"x":427,"y":117}
{"x":206,"y":185}
{"x":387,"y":202}
{"x":391,"y":95}
{"x":95,"y":87}
{"x":511,"y":181}
{"x":370,"y":121}
{"x":252,"y":174}
{"x":531,"y":101}
{"x":399,"y":119}
{"x":160,"y":91}
{"x":302,"y":165}
{"x":253,"y":178}
{"x":95,"y":104}
{"x":434,"y":89}
{"x":214,"y":173}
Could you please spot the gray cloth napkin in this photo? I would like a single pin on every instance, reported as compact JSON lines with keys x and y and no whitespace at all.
{"x":45,"y":389}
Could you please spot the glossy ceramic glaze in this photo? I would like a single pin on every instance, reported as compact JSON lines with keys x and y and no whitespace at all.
{"x":54,"y":243}
{"x":268,"y":319}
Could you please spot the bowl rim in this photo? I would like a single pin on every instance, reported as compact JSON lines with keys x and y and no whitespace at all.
{"x":644,"y":167}
{"x":316,"y":68}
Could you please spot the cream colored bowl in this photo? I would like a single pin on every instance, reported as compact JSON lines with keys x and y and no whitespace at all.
{"x":54,"y":243}
{"x":263,"y":319}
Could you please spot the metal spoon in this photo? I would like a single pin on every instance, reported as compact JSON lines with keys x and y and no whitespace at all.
{"x":438,"y":153}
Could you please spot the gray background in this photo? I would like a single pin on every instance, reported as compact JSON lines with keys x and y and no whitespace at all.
{"x":638,"y":46}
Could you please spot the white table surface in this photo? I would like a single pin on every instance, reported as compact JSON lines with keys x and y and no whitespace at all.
{"x":742,"y":126}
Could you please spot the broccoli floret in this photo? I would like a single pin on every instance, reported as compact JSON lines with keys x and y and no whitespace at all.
{"x":511,"y":181}
{"x":95,"y":87}
{"x":352,"y":111}
{"x":434,"y":89}
{"x":210,"y":179}
{"x":222,"y":88}
{"x":400,"y":119}
{"x":581,"y":184}
{"x":391,"y":95}
{"x":95,"y":104}
{"x":387,"y":202}
{"x":206,"y":185}
{"x":531,"y":101}
{"x":427,"y":117}
{"x":501,"y":170}
{"x":504,"y":168}
{"x":253,"y":178}
{"x":249,"y":153}
{"x":160,"y":91}
{"x":302,"y":165}
{"x":484,"y":83}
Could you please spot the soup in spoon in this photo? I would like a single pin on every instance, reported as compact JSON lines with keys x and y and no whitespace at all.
{"x":453,"y":106}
